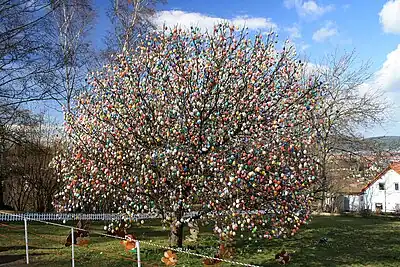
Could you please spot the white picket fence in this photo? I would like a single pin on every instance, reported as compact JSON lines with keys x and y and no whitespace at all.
{"x":71,"y":216}
{"x":9,"y":217}
{"x":79,"y":216}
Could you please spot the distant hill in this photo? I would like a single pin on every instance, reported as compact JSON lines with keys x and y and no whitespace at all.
{"x":387,"y":142}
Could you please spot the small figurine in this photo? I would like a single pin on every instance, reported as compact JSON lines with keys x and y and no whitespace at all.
{"x":283,"y":257}
{"x":170,"y":258}
{"x":129,"y":242}
{"x":78,"y":235}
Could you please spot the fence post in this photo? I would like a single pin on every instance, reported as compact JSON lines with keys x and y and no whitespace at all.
{"x":138,"y":253}
{"x":26,"y":240}
{"x":72,"y":246}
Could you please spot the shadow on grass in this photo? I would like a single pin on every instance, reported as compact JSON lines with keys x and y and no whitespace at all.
{"x":2,"y":249}
{"x":12,"y":258}
{"x":351,"y":241}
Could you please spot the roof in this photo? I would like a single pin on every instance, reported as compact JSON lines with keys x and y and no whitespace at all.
{"x":348,"y":186}
{"x":395,"y":166}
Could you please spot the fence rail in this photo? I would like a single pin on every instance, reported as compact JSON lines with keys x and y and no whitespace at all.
{"x":78,"y":216}
{"x":70,"y":216}
{"x":9,"y":217}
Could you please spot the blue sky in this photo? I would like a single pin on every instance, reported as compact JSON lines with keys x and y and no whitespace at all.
{"x":316,"y":27}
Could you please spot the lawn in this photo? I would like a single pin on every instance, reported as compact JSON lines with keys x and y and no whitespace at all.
{"x":352,"y":241}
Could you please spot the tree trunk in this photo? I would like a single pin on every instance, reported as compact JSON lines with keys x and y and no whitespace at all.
{"x":323,"y":198}
{"x":2,"y":206}
{"x":2,"y":178}
{"x":49,"y":201}
{"x":176,"y":236}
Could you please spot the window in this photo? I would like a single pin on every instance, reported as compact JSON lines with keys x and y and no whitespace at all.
{"x":396,"y":186}
{"x":361,"y":198}
{"x":381,"y":186}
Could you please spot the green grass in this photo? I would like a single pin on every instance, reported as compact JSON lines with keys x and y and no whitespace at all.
{"x":352,"y":241}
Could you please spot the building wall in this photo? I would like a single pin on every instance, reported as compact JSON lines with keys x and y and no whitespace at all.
{"x":343,"y":203}
{"x":385,"y":196}
{"x":352,"y":202}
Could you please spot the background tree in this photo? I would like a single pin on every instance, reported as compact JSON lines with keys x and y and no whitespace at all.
{"x":12,"y":134}
{"x":129,"y":19}
{"x":22,"y":61}
{"x":69,"y":48}
{"x":30,"y":183}
{"x":189,"y":121}
{"x":23,"y":64}
{"x":347,"y":111}
{"x":45,"y":54}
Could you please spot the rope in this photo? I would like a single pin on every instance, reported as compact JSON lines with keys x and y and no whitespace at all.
{"x":144,"y":242}
{"x":36,"y":243}
{"x":197,"y":254}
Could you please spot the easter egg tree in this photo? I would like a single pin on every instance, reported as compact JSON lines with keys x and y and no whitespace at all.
{"x":216,"y":123}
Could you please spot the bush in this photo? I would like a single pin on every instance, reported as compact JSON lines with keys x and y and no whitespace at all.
{"x":365,"y":212}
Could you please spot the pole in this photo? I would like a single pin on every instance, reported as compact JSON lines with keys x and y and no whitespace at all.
{"x":138,"y":253}
{"x":72,"y":246}
{"x":26,"y":240}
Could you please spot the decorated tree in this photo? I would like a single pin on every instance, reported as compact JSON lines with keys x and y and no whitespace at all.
{"x":214,"y":123}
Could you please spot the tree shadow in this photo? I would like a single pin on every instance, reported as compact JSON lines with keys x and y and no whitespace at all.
{"x":12,"y":258}
{"x":2,"y":249}
{"x":350,"y":241}
{"x":149,"y":232}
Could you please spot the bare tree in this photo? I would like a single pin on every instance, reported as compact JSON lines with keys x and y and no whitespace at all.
{"x":346,"y":110}
{"x":30,"y":183}
{"x":12,"y":133}
{"x":22,"y":60}
{"x":23,"y":65}
{"x":129,"y":18}
{"x":70,"y":50}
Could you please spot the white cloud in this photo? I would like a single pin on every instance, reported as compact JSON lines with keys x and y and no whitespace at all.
{"x":329,"y":30}
{"x":309,"y":9}
{"x":388,"y":77}
{"x":294,"y":32}
{"x":312,"y":68}
{"x":183,"y":19}
{"x":387,"y":80}
{"x":389,"y":17}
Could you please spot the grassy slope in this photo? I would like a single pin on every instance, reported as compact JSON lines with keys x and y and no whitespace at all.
{"x":352,"y":242}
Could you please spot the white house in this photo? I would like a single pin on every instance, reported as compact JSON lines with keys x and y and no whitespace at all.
{"x":383,"y":192}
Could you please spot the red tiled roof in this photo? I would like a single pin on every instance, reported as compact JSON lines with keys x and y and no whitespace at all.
{"x":393,"y":166}
{"x":396,"y":167}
